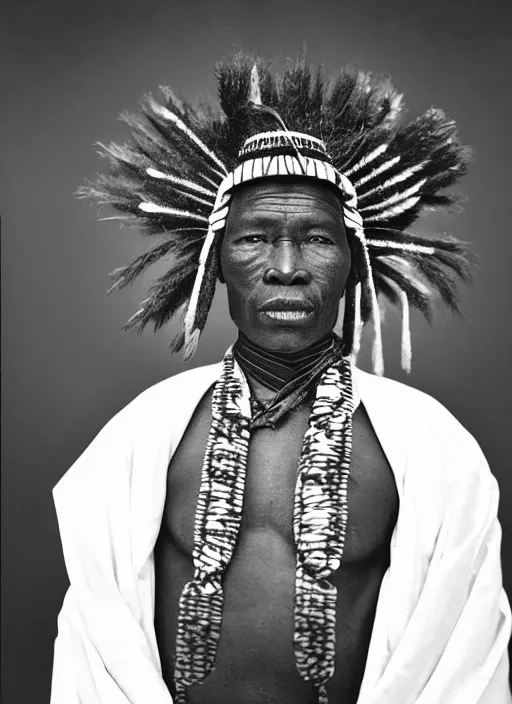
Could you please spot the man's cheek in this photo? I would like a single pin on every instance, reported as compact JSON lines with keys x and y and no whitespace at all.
{"x":330,"y":282}
{"x":246,"y":278}
{"x":237,"y":267}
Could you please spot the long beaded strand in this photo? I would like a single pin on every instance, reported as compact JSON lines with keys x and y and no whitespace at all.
{"x":320,"y":520}
{"x":217,"y":523}
{"x":320,"y":516}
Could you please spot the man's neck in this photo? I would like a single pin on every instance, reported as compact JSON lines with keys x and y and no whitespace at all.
{"x":269,"y":371}
{"x":274,"y":369}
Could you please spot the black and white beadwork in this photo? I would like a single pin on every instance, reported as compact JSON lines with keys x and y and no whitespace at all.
{"x":319,"y":523}
{"x":217,"y":523}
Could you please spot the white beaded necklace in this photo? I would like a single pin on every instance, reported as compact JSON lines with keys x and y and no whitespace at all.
{"x":319,"y":525}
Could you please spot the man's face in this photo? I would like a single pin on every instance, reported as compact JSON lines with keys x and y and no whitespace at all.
{"x":285,"y":260}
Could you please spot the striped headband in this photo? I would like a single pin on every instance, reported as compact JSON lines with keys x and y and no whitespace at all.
{"x":255,"y":164}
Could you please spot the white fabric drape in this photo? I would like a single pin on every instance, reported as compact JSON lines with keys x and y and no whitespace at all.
{"x":443,"y":621}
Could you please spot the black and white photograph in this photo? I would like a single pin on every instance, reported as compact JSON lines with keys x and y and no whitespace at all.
{"x":256,"y":351}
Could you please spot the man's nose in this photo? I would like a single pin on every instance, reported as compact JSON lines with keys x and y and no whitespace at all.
{"x":286,"y":266}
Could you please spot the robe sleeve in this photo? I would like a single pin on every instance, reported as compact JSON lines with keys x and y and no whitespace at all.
{"x":466,"y":581}
{"x":453,"y":646}
{"x":102,"y":653}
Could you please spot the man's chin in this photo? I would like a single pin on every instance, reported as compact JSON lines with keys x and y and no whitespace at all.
{"x":285,"y":338}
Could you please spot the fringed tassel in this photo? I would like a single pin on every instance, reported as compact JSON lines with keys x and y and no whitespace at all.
{"x":406,"y":333}
{"x":191,"y":332}
{"x":406,"y":345}
{"x":191,"y":343}
{"x":358,"y":324}
{"x":216,"y":222}
{"x":352,"y":218}
{"x":377,"y":351}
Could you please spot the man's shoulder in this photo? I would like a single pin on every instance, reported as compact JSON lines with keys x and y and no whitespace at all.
{"x":145,"y":419}
{"x":418,"y":415}
{"x":168,"y":399}
{"x":194,"y":376}
{"x":432,"y":442}
{"x":396,"y":393}
{"x":178,"y":388}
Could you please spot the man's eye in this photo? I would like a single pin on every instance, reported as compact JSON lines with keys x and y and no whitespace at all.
{"x":252,"y":239}
{"x":318,"y":239}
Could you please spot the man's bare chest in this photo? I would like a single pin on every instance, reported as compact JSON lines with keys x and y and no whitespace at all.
{"x":271,"y":476}
{"x":255,"y":659}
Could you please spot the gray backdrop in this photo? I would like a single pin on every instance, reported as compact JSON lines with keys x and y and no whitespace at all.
{"x":67,"y":366}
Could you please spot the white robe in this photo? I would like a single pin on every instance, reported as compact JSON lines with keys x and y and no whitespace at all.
{"x":442,"y":623}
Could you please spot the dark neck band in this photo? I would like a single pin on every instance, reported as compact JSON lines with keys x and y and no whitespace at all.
{"x":276,"y":369}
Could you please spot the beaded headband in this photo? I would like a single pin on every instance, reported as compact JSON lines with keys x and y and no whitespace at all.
{"x":276,"y":163}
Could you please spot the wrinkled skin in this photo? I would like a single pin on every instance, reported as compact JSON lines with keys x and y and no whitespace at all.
{"x":285,"y":239}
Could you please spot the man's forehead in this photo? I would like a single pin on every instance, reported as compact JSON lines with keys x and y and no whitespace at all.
{"x":273,"y":194}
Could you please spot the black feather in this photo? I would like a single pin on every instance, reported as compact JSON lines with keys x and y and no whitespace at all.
{"x":354,"y":113}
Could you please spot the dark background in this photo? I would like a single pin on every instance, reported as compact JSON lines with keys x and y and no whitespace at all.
{"x":69,"y":69}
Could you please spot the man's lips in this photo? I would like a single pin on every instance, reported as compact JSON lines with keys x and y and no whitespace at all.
{"x":287,"y":309}
{"x":286,"y":305}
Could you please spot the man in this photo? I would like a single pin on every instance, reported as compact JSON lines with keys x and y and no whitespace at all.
{"x":282,"y":527}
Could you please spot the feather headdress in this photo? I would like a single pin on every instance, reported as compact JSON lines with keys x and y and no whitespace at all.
{"x":176,"y":175}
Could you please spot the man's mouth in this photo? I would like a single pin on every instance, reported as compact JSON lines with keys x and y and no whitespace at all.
{"x":288,"y":314}
{"x":287,"y":309}
{"x":287,"y":304}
